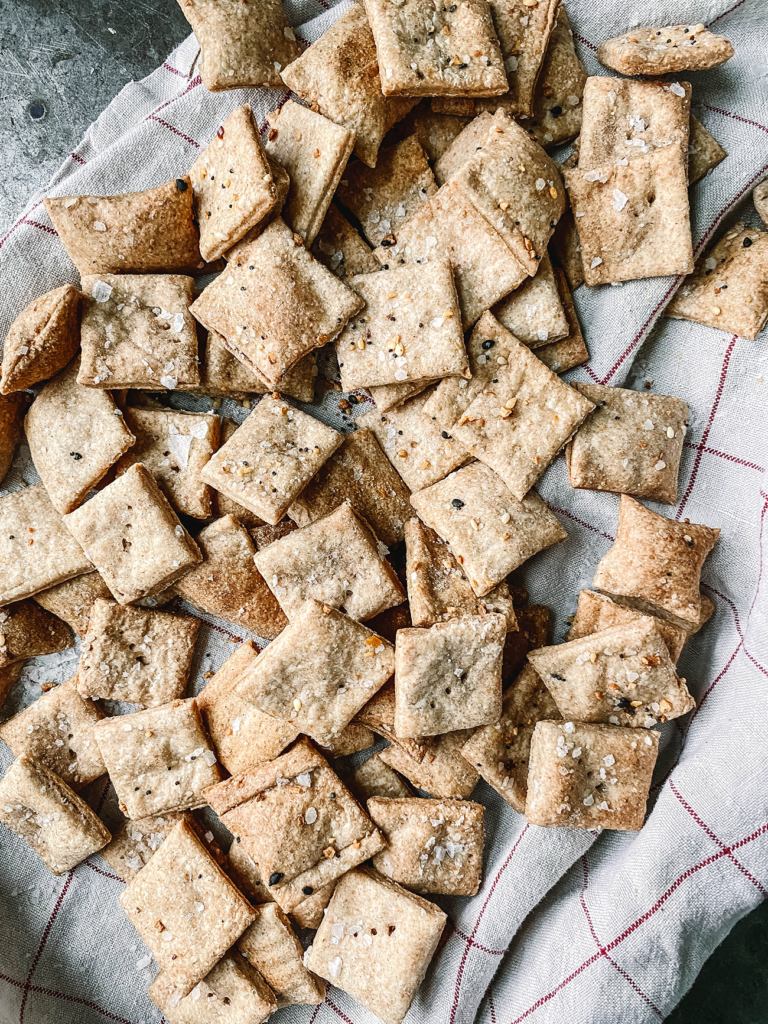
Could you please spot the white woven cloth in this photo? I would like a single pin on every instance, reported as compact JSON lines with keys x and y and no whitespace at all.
{"x":622,"y":923}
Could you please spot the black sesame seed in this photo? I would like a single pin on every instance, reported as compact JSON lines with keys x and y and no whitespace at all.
{"x":488,"y":344}
{"x":447,"y":436}
{"x":457,"y":503}
{"x":275,"y":877}
{"x":181,"y":185}
{"x":556,"y":676}
{"x":556,"y":111}
{"x":747,"y":242}
{"x":307,"y":890}
{"x":148,"y":792}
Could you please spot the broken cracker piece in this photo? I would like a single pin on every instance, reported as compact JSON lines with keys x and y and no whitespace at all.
{"x":534,"y":312}
{"x":29,"y":631}
{"x":41,"y":340}
{"x":340,"y":248}
{"x":72,"y":600}
{"x":658,"y":51}
{"x":271,"y":946}
{"x":596,"y":612}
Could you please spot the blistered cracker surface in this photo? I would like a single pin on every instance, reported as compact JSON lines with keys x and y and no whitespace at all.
{"x":134,"y":844}
{"x":534,"y":313}
{"x":42,"y":339}
{"x":340,"y":248}
{"x":656,"y":51}
{"x":596,"y":612}
{"x":271,"y":946}
{"x":28,"y":630}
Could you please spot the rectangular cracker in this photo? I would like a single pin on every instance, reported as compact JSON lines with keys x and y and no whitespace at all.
{"x":334,"y":560}
{"x":524,"y":32}
{"x":631,"y":442}
{"x":42,"y":339}
{"x":137,"y":332}
{"x":704,"y":151}
{"x":314,"y":151}
{"x":319,"y":672}
{"x":557,"y":106}
{"x":233,"y":990}
{"x":227,"y":584}
{"x":275,"y":303}
{"x":27,"y":631}
{"x":442,"y":772}
{"x":72,"y":600}
{"x":135,"y":842}
{"x":340,"y":247}
{"x":596,"y":612}
{"x":37,"y":551}
{"x":374,"y":778}
{"x":652,"y":50}
{"x":268,"y":808}
{"x":158,"y":760}
{"x":271,"y":946}
{"x":52,"y":819}
{"x":606,"y":784}
{"x":534,"y":313}
{"x":271,"y":458}
{"x":563,"y":355}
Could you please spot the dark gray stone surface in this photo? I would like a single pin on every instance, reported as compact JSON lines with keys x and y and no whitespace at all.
{"x":61,"y":62}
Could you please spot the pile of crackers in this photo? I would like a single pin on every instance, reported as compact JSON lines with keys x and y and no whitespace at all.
{"x":405,"y":213}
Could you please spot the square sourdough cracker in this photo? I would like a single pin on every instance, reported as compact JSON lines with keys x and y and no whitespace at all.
{"x":231,"y":174}
{"x":75,"y":434}
{"x":227,"y":584}
{"x":490,"y":531}
{"x":222,"y":373}
{"x":656,"y":560}
{"x":383,"y":199}
{"x":319,"y":672}
{"x":28,"y":630}
{"x":339,"y":76}
{"x":434,"y":130}
{"x":671,"y":48}
{"x":534,"y":313}
{"x":242,"y":734}
{"x":379,"y":715}
{"x":275,"y":303}
{"x":334,"y":560}
{"x":298,"y":821}
{"x":456,"y":53}
{"x":137,"y":332}
{"x":448,"y":224}
{"x":134,"y":844}
{"x":631,"y":442}
{"x":232,"y":992}
{"x":174,"y":447}
{"x":410,"y":328}
{"x":571,"y":351}
{"x":557,"y":106}
{"x":376,"y":942}
{"x":271,"y":458}
{"x":704,"y":151}
{"x":340,"y":247}
{"x":442,"y":771}
{"x":531,"y":632}
{"x":57,"y":731}
{"x":374,"y":778}
{"x":524,"y":32}
{"x":52,"y":819}
{"x":314,"y":151}
{"x":271,"y":946}
{"x":416,"y":446}
{"x":136,"y":654}
{"x":434,"y":846}
{"x":622,"y":675}
{"x":308,"y":914}
{"x":438,"y":590}
{"x":146,"y":232}
{"x":11,"y":418}
{"x":360,"y":473}
{"x":186,"y":910}
{"x":448,"y":676}
{"x":728,"y":288}
{"x":72,"y":600}
{"x":158,"y":760}
{"x":225,"y":505}
{"x":596,"y":612}
{"x":37,"y":551}
{"x":243,"y":45}
{"x":500,"y":751}
{"x":41,"y":340}
{"x":606,"y":783}
{"x":133,"y":537}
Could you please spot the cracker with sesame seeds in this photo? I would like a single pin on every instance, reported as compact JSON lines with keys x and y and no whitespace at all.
{"x":500,"y":751}
{"x":49,"y":816}
{"x":225,"y":505}
{"x":524,"y":31}
{"x":138,"y":655}
{"x":596,"y":612}
{"x":704,"y":151}
{"x":159,"y":759}
{"x":442,"y":771}
{"x":243,"y":45}
{"x":434,"y":845}
{"x":358,"y":472}
{"x":298,"y":821}
{"x":223,"y":374}
{"x":57,"y":731}
{"x":384,"y":198}
{"x":37,"y":551}
{"x":134,"y":538}
{"x":135,"y":842}
{"x":585,"y":775}
{"x":470,"y":141}
{"x":232,"y":184}
{"x":419,"y":449}
{"x":649,"y":50}
{"x":137,"y":332}
{"x":374,"y":778}
{"x":631,"y":442}
{"x":534,"y":313}
{"x":410,"y":328}
{"x":28,"y":631}
{"x":227,"y":584}
{"x":41,"y":340}
{"x":531,"y":632}
{"x":728,"y":288}
{"x":174,"y":446}
{"x":390,"y":396}
{"x":232,"y":992}
{"x":319,"y":672}
{"x":148,"y":232}
{"x":657,"y":560}
{"x":449,"y":675}
{"x":572,"y":350}
{"x":11,"y":419}
{"x":760,"y":199}
{"x":271,"y":946}
{"x":75,"y":435}
{"x":72,"y":600}
{"x":186,"y":911}
{"x":490,"y":531}
{"x":314,"y":151}
{"x":557,"y":107}
{"x":271,"y":458}
{"x":341,"y":248}
{"x":275,"y":303}
{"x":335,"y":560}
{"x":244,"y":871}
{"x":622,"y":675}
{"x":376,"y":942}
